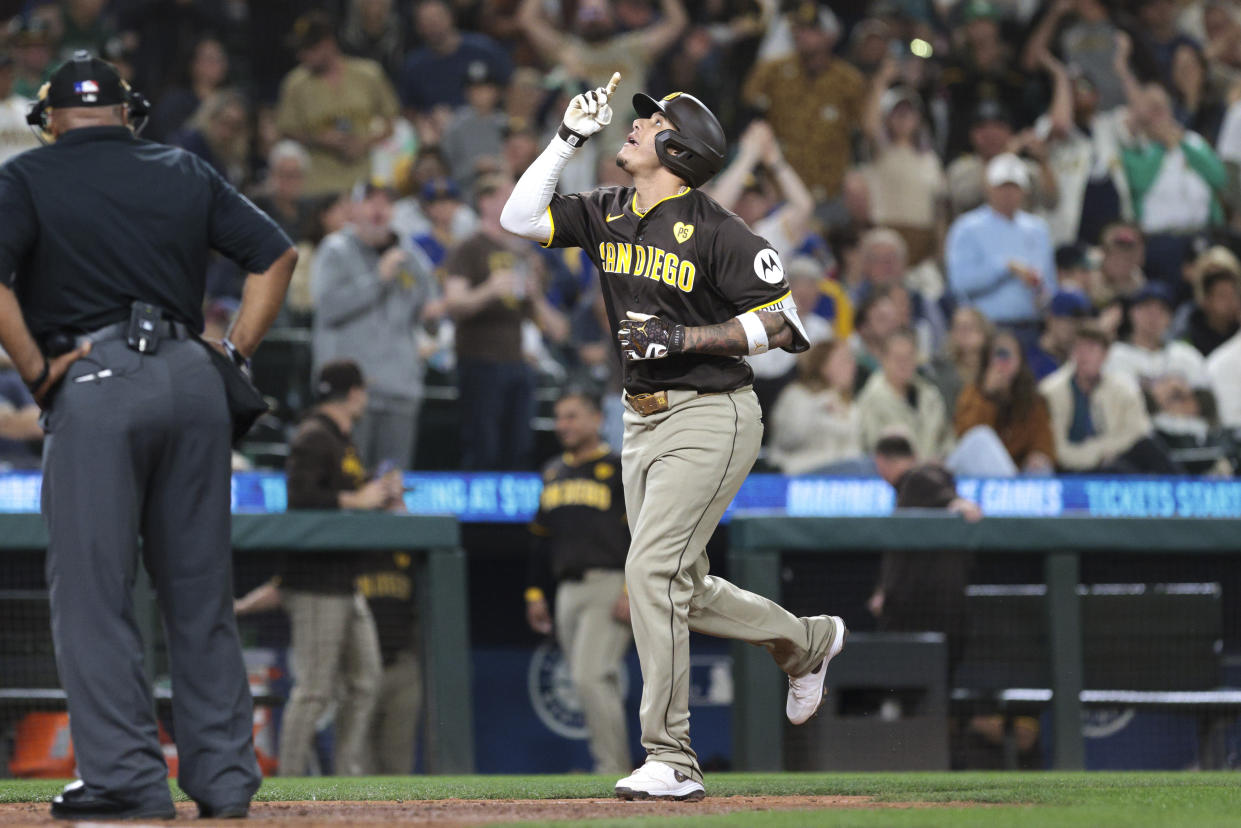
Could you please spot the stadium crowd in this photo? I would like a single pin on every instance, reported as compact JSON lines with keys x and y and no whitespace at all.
{"x":1011,"y":227}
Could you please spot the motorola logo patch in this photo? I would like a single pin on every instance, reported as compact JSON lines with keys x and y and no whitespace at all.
{"x":768,"y":268}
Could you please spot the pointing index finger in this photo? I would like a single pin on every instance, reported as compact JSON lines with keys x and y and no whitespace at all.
{"x":616,"y":76}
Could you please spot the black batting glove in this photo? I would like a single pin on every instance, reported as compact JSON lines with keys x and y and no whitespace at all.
{"x":643,"y":336}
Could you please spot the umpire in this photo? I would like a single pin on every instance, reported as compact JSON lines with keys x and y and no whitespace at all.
{"x":103,"y":253}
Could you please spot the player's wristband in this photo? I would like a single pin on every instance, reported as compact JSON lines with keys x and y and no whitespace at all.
{"x":755,"y":333}
{"x":533,"y":595}
{"x":38,"y":381}
{"x":573,"y":139}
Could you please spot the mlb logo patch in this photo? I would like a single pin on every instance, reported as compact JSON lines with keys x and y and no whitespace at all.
{"x":86,"y":87}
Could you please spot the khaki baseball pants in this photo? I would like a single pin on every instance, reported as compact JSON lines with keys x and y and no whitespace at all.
{"x":394,"y":723}
{"x":682,"y":467}
{"x":335,"y":649}
{"x":594,"y":643}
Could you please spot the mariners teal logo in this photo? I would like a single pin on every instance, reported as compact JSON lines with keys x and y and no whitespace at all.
{"x":552,"y":696}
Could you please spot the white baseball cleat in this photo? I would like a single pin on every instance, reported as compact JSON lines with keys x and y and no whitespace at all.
{"x":806,"y":693}
{"x":657,"y":780}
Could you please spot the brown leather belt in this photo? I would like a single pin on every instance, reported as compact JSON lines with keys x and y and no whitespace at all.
{"x":648,"y":404}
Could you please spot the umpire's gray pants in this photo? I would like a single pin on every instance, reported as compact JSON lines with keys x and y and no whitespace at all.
{"x":144,"y":453}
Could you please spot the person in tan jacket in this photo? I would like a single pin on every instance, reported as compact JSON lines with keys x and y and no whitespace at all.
{"x":1098,"y":417}
{"x":897,"y":396}
{"x":1005,"y":398}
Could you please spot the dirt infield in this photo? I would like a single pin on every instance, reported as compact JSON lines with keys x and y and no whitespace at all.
{"x":459,"y":813}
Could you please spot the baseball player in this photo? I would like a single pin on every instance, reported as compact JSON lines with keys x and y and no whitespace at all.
{"x":580,"y":544}
{"x":690,"y":291}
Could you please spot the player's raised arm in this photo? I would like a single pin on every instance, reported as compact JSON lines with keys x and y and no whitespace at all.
{"x":526,"y":214}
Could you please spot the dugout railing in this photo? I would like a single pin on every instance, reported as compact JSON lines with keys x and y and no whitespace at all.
{"x":758,"y":543}
{"x":442,"y":597}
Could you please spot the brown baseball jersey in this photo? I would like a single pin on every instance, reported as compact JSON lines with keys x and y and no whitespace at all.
{"x":686,"y":260}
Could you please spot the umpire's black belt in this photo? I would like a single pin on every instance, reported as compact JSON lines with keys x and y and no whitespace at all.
{"x":63,"y":344}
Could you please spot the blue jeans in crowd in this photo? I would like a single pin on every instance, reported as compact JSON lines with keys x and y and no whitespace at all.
{"x":496,"y":403}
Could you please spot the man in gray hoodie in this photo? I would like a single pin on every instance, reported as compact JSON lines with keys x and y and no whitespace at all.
{"x":371,"y":296}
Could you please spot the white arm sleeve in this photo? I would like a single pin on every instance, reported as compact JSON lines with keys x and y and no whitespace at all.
{"x":525,"y":213}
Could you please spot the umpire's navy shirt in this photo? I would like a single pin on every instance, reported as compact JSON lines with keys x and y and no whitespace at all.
{"x":101,"y":218}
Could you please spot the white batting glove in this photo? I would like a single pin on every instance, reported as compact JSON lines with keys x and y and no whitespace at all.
{"x":589,"y":112}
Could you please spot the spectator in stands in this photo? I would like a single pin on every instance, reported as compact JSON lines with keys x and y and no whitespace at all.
{"x":219,"y":134}
{"x":1215,"y":315}
{"x":33,"y":43}
{"x":491,"y":288}
{"x":282,"y":196}
{"x":20,"y":432}
{"x":884,"y":264}
{"x":897,"y":396}
{"x":1175,"y":178}
{"x":1065,"y":312}
{"x":1224,"y":367}
{"x":961,"y":357}
{"x":1148,"y":354}
{"x":816,"y":426}
{"x":776,"y":369}
{"x":1087,"y":41}
{"x":84,"y":24}
{"x":441,"y":204}
{"x":476,"y":129}
{"x":907,"y":183}
{"x":433,"y":77}
{"x":1179,"y":423}
{"x":981,"y":69}
{"x":816,"y":139}
{"x":1004,"y":398}
{"x":15,"y":134}
{"x":370,"y":293}
{"x":876,"y":319}
{"x":999,"y":257}
{"x":991,"y":135}
{"x":922,"y":591}
{"x":374,"y":30}
{"x":1083,"y":140}
{"x":335,"y":646}
{"x":337,"y":107}
{"x":1160,"y":34}
{"x":745,"y":187}
{"x":410,"y":218}
{"x":598,"y":46}
{"x":849,"y":213}
{"x":325,"y":215}
{"x":1193,"y":103}
{"x":205,"y":75}
{"x":1119,"y":276}
{"x":1097,"y":416}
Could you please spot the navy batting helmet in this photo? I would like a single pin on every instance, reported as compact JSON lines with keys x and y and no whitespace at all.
{"x":698,"y":139}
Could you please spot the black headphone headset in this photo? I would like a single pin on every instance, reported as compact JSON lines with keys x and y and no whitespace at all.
{"x":136,"y":104}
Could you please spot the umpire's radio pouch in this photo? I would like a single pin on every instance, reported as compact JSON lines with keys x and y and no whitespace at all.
{"x":146,"y":323}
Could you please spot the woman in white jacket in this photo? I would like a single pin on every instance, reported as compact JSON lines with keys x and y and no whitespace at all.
{"x":815,"y":423}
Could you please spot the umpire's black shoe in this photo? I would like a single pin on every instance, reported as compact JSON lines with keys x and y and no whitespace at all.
{"x":238,"y":810}
{"x":75,"y":802}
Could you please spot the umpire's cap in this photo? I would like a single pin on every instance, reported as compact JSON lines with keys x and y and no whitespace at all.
{"x":85,"y":80}
{"x":698,"y":138}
